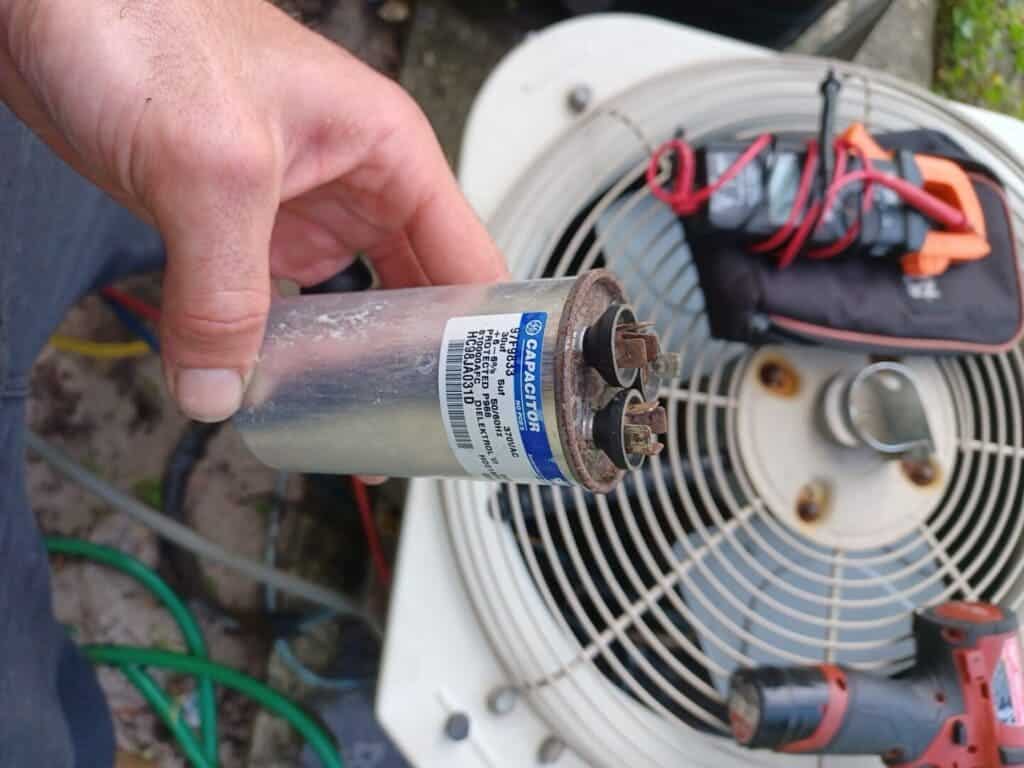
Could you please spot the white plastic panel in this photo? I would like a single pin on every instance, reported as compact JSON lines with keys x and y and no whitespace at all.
{"x":524,"y":104}
{"x":439,"y":658}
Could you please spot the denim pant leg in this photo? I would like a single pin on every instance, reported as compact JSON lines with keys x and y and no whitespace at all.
{"x":59,"y":238}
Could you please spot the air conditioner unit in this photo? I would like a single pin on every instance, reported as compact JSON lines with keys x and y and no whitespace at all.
{"x":533,"y":625}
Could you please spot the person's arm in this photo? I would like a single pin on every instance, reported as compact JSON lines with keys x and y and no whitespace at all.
{"x":255,"y":146}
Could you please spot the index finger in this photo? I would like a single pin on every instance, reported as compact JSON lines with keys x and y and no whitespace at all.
{"x":443,"y":239}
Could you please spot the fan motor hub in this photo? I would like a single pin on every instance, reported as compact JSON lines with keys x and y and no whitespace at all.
{"x":833,"y":494}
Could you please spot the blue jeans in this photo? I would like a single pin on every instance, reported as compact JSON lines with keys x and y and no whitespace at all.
{"x":60,"y":238}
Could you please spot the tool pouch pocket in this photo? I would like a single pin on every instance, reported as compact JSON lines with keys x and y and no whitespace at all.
{"x":869,"y":304}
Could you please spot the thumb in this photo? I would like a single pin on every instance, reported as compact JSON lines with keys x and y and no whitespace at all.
{"x":217,"y":230}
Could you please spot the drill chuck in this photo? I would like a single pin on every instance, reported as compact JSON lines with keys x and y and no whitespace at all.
{"x":775,"y":707}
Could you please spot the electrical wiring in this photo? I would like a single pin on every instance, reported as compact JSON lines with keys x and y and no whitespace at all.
{"x":132,"y":304}
{"x":271,"y":700}
{"x":188,"y":452}
{"x":99,"y":350}
{"x":282,"y":647}
{"x":132,"y":662}
{"x":306,"y":675}
{"x":380,"y":563}
{"x":133,"y":324}
{"x":190,"y":631}
{"x":189,"y":539}
{"x":685,"y":199}
{"x":127,"y":309}
{"x":190,"y":449}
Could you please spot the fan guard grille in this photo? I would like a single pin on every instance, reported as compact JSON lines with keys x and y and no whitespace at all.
{"x":623,"y":616}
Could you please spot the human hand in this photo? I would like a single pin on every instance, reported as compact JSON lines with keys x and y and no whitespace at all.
{"x":256,"y":147}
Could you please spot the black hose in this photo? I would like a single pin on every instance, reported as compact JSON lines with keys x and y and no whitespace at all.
{"x":183,"y":568}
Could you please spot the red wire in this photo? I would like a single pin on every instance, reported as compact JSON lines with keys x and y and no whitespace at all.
{"x":802,"y":233}
{"x":851,"y":235}
{"x":682,"y":197}
{"x":840,"y":245}
{"x":686,"y":201}
{"x":928,"y":204}
{"x":803,"y":192}
{"x":138,"y":306}
{"x":380,"y":562}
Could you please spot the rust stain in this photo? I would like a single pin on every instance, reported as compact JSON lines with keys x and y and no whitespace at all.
{"x":813,"y":502}
{"x":779,"y":377}
{"x":924,"y":473}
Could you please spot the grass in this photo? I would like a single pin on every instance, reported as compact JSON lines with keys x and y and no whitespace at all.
{"x":149,"y":491}
{"x":980,"y":53}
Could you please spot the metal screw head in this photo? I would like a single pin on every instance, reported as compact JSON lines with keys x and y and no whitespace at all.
{"x":551,"y":750}
{"x":580,"y":97}
{"x":812,"y":503}
{"x":920,"y":470}
{"x":503,"y":700}
{"x":779,"y":377}
{"x":456,"y":727}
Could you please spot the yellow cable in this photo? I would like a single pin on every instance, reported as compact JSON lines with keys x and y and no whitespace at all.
{"x":100,"y":350}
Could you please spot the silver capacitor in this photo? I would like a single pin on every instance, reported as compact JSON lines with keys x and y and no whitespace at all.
{"x":538,"y":381}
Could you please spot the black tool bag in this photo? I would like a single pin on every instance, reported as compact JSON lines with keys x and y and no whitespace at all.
{"x":869,"y":304}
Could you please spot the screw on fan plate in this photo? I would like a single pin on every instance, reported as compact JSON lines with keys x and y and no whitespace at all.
{"x":579,"y":98}
{"x":812,"y":503}
{"x":503,"y":700}
{"x":551,"y":750}
{"x":456,"y":727}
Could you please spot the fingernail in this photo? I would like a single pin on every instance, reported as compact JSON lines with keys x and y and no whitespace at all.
{"x":208,"y":394}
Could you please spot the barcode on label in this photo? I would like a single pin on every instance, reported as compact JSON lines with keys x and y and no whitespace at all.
{"x":453,"y":395}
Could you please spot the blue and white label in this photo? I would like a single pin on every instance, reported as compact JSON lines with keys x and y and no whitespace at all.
{"x":490,"y":383}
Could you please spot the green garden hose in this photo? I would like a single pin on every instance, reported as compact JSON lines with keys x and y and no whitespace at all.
{"x":192,"y":634}
{"x":268,"y":698}
{"x":133,"y":661}
{"x":158,"y":701}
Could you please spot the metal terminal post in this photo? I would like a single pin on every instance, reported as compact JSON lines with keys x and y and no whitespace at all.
{"x":634,"y":347}
{"x":611,"y":351}
{"x":627,"y":429}
{"x":626,"y":352}
{"x":650,"y":416}
{"x":668,"y":365}
{"x":640,"y":440}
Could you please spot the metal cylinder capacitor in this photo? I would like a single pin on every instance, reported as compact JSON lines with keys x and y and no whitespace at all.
{"x":499,"y":382}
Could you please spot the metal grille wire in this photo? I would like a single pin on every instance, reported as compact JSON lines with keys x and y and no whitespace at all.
{"x":622,"y":616}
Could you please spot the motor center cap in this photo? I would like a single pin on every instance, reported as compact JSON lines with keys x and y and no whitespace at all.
{"x":848,"y":496}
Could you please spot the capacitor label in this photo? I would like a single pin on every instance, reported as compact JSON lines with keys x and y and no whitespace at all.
{"x":490,"y":385}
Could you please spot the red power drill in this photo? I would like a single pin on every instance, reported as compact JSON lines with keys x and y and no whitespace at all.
{"x":960,"y":706}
